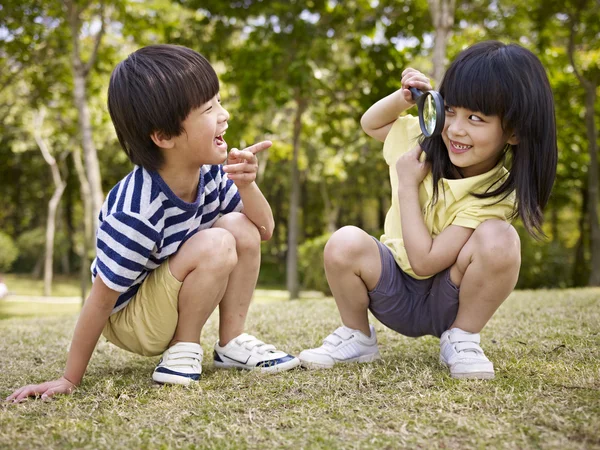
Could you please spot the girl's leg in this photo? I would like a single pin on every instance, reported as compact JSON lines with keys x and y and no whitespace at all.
{"x":487,"y":269}
{"x":353,"y":267}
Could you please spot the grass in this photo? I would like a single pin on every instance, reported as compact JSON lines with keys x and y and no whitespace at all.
{"x":545,"y":345}
{"x":24,"y":284}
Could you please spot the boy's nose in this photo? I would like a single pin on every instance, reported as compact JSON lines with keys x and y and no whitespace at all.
{"x":224,"y":114}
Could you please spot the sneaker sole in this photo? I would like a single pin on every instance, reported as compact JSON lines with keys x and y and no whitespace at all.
{"x":288,"y":365}
{"x":361,"y":359}
{"x":166,"y":378}
{"x":474,"y":375}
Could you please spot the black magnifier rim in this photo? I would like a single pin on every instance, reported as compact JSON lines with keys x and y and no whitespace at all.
{"x":440,"y":112}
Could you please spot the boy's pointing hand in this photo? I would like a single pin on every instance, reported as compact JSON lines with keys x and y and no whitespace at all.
{"x":242,"y":165}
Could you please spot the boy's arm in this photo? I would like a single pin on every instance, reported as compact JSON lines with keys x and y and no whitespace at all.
{"x":380,"y":117}
{"x":257,"y":209}
{"x":93,"y":317}
{"x":241,"y":169}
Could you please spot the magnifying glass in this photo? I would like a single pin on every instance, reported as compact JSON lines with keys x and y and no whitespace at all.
{"x":431,"y":111}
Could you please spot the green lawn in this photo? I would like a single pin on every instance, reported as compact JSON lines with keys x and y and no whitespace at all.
{"x":545,"y":345}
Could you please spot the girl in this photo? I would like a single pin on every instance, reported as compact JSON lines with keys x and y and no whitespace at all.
{"x":454,"y":258}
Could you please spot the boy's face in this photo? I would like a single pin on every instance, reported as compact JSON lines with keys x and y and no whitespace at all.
{"x":202,"y":140}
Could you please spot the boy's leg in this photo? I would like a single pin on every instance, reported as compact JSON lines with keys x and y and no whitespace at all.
{"x":235,"y":303}
{"x":204,"y":264}
{"x":236,"y":349}
{"x":486,"y":270}
{"x":353,"y":268}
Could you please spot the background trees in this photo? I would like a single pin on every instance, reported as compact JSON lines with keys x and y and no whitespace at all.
{"x":299,"y":73}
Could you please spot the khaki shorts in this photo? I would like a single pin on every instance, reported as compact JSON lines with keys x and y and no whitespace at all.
{"x":147,"y":324}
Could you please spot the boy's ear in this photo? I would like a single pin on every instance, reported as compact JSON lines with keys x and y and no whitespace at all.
{"x":162,"y":140}
{"x":513,"y":139}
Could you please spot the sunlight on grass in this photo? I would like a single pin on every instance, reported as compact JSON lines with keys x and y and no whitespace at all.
{"x":21,"y":284}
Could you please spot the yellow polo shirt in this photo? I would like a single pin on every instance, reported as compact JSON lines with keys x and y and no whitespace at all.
{"x":455,"y":204}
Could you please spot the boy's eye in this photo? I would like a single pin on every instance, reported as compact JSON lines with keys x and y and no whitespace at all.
{"x":475,"y":118}
{"x":448,"y":109}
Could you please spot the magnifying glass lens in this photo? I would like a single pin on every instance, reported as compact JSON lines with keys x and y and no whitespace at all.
{"x":429,"y":114}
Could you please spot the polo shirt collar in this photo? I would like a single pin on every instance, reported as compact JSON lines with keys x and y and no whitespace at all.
{"x":463,"y":186}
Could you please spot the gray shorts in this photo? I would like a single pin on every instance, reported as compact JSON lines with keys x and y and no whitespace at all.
{"x":409,"y":306}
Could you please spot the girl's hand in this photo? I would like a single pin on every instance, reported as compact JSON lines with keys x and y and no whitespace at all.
{"x":411,"y":171}
{"x":44,"y":390}
{"x":242,"y":165}
{"x":413,"y":78}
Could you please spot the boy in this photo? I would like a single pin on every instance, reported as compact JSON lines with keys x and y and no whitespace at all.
{"x":173,"y":242}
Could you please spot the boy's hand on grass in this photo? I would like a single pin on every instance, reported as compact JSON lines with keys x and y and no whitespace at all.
{"x":242,"y":165}
{"x":411,"y":170}
{"x":44,"y":391}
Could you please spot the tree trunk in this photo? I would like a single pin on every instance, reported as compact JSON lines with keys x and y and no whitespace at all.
{"x":52,"y":204}
{"x":442,"y":15}
{"x":292,"y":250}
{"x":592,"y":136}
{"x":80,"y":73}
{"x":87,"y":222}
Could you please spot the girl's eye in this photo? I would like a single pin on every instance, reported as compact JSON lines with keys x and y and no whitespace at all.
{"x":448,"y":109}
{"x":475,"y":118}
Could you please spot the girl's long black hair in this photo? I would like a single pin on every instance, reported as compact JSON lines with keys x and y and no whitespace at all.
{"x":508,"y":81}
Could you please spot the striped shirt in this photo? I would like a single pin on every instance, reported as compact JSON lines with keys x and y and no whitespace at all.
{"x":142,"y":223}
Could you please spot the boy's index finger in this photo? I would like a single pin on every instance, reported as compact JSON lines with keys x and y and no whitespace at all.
{"x":259,"y":147}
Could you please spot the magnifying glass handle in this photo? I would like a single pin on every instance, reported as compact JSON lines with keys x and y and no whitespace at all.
{"x":416,"y":93}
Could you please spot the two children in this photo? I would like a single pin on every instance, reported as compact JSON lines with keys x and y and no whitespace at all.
{"x":180,"y":234}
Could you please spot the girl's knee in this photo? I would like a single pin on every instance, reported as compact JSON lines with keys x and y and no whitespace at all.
{"x":498,"y":243}
{"x":346,"y":245}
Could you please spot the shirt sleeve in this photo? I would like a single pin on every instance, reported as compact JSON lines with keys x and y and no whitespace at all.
{"x":124,"y":243}
{"x":473,"y":216}
{"x":401,"y":138}
{"x":229,"y":197}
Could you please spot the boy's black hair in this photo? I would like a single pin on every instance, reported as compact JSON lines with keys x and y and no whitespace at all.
{"x":155,"y":89}
{"x":508,"y":81}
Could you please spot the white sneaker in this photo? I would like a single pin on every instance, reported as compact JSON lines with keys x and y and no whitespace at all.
{"x":461,"y":353}
{"x":247,"y":352}
{"x":180,"y":364}
{"x":344,"y":345}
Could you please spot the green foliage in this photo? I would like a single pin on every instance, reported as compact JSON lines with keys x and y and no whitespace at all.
{"x":8,"y":252}
{"x":310,"y":263}
{"x":32,"y":247}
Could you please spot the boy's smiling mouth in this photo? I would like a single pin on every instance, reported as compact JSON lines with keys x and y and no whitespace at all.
{"x":220,"y":141}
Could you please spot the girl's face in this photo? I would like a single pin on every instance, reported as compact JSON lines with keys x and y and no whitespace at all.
{"x":474,"y":141}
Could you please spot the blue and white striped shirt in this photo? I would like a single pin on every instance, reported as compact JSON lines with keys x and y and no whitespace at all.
{"x":142,"y":223}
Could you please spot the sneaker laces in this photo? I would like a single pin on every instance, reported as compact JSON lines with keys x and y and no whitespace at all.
{"x":253,"y":344}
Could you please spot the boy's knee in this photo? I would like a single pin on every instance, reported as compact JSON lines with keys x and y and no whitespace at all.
{"x":499,"y":244}
{"x":245,"y":233}
{"x":213,"y":249}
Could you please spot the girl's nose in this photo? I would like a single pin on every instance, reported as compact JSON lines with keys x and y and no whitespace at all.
{"x":455,"y":127}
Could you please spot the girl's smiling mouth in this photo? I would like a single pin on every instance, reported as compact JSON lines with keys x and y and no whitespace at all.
{"x":457,"y":147}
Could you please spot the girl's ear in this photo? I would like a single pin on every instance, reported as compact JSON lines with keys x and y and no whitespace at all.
{"x":162,"y":140}
{"x":513,"y":139}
